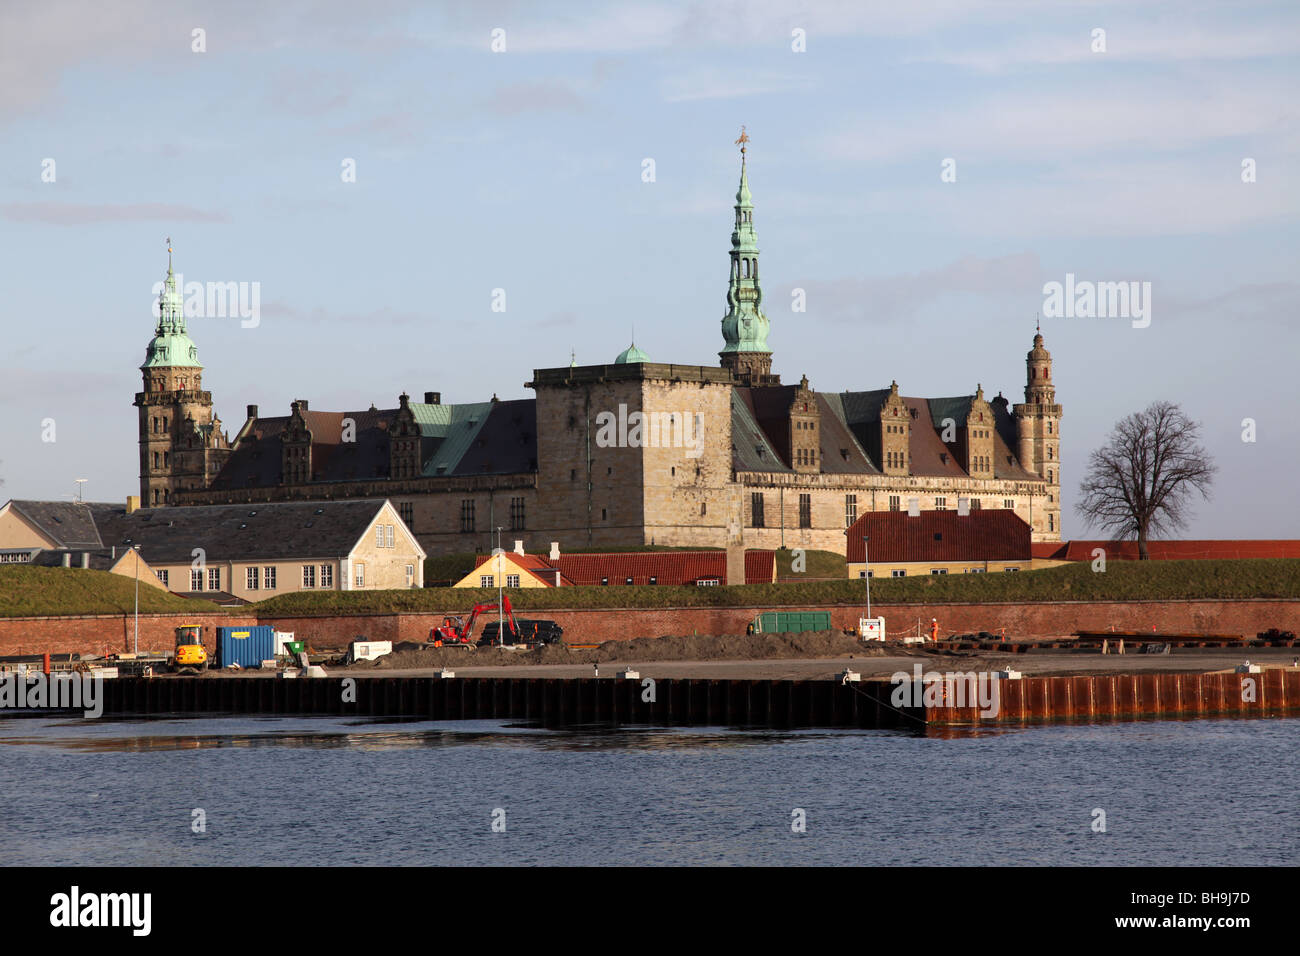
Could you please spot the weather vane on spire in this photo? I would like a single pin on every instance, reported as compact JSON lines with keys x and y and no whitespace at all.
{"x":744,"y":138}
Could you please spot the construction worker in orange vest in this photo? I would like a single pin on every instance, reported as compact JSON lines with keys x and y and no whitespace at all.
{"x":934,"y":628}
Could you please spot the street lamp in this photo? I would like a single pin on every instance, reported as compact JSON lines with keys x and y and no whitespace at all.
{"x":501,"y":614}
{"x":866,"y":573}
{"x":135,"y":549}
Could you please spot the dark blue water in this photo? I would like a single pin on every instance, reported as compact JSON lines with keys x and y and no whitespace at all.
{"x":339,"y":791}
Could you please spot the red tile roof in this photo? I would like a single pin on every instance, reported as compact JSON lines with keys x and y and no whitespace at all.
{"x":941,"y":536}
{"x":667,"y":567}
{"x":1176,"y":550}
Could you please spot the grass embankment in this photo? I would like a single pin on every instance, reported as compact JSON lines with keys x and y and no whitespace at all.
{"x":37,"y":592}
{"x":1122,"y":581}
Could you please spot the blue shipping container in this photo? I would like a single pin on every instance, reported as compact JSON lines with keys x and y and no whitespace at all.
{"x":245,"y":646}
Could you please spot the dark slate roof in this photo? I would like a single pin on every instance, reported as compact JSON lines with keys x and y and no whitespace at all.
{"x":841,"y":450}
{"x":468,"y":439}
{"x":751,"y":449}
{"x":102,"y":559}
{"x":69,"y":524}
{"x":941,"y":536}
{"x":279,"y":531}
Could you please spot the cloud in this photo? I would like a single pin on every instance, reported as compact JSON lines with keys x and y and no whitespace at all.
{"x":386,"y":316}
{"x":540,"y":97}
{"x":884,"y":299}
{"x":714,"y":84}
{"x":79,"y":214}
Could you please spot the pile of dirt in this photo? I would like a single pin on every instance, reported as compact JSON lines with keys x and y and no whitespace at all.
{"x":703,"y":647}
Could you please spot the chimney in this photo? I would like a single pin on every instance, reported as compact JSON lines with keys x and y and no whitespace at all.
{"x":132,"y":504}
{"x":963,"y":507}
{"x":555,"y":551}
{"x":301,"y":403}
{"x":914,"y":507}
{"x":433,"y":398}
{"x":252,"y":412}
{"x":519,"y":546}
{"x":67,"y":559}
{"x":85,"y":559}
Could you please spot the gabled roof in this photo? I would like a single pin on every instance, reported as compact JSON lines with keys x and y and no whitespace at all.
{"x":667,"y":567}
{"x":850,"y":423}
{"x":69,"y":524}
{"x":1176,"y":550}
{"x":282,"y":530}
{"x":940,"y":536}
{"x":470,"y":439}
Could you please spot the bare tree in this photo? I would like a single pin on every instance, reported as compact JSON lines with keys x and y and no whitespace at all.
{"x":1143,"y":480}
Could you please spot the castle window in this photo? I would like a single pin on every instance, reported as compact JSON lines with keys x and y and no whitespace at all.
{"x":327,"y":575}
{"x":805,"y":511}
{"x":1051,"y":523}
{"x":406,"y":510}
{"x":167,"y":459}
{"x":250,"y":579}
{"x":268,"y":578}
{"x":1008,"y":503}
{"x":467,"y":515}
{"x":214,"y":579}
{"x":1049,"y":428}
{"x":389,"y":536}
{"x":704,"y":508}
{"x":516,"y":514}
{"x":850,"y":509}
{"x":196,"y":580}
{"x":757,"y":518}
{"x":894,"y":502}
{"x":155,"y":459}
{"x":940,"y":504}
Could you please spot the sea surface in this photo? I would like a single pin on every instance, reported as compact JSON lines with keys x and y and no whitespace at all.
{"x":343,"y":791}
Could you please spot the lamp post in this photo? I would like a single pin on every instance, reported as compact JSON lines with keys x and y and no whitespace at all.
{"x":135,"y":549}
{"x":866,"y":573}
{"x":501,"y":614}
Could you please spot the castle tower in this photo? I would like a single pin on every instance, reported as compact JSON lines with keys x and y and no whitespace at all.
{"x":181,"y":443}
{"x":744,"y":327}
{"x":1038,"y":430}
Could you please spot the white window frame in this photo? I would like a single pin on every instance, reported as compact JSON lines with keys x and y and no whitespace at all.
{"x":308,"y":577}
{"x":327,"y":576}
{"x":268,"y":578}
{"x":359,"y":577}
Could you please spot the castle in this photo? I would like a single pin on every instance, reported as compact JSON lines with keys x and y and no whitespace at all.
{"x":622,"y":455}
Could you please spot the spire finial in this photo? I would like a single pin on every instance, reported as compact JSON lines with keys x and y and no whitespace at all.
{"x":169,"y":255}
{"x":744,"y":138}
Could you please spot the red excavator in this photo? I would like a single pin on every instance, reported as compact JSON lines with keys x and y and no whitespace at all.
{"x":454,"y":633}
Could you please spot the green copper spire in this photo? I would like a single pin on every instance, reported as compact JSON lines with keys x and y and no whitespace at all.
{"x":744,"y":328}
{"x":170,"y":346}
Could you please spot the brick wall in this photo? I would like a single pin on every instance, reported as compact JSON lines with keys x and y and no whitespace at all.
{"x":90,"y":635}
{"x":112,"y":632}
{"x":1020,"y":620}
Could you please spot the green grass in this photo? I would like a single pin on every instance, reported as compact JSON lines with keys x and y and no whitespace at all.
{"x":36,"y":592}
{"x":1122,"y":581}
{"x":818,"y":565}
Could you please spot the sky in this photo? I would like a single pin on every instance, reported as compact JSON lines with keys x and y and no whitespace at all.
{"x":919,"y":170}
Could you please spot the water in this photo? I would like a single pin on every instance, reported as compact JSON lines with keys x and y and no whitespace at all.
{"x":339,"y":791}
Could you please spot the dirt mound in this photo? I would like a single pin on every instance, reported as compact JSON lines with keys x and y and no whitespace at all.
{"x":808,"y":644}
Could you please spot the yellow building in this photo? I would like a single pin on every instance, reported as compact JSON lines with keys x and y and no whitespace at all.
{"x":250,"y":552}
{"x":901,"y":544}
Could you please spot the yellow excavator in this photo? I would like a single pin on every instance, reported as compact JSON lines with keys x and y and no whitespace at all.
{"x":190,"y":653}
